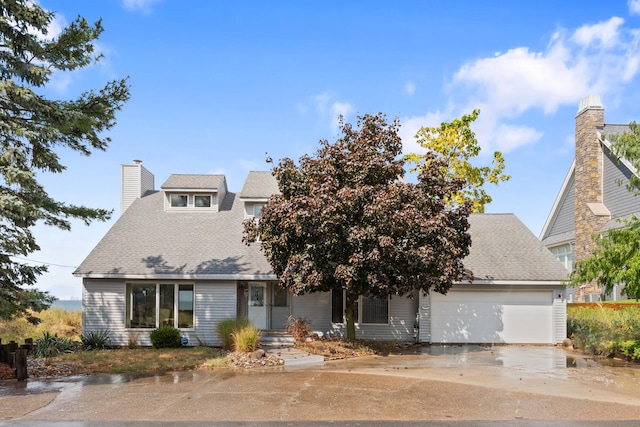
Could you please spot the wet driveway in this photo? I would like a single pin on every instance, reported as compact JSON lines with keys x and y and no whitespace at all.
{"x":430,"y":383}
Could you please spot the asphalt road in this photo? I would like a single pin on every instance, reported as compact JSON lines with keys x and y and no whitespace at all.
{"x":453,"y":386}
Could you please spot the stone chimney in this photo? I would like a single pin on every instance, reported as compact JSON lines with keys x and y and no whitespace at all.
{"x":135,"y":181}
{"x":590,"y":213}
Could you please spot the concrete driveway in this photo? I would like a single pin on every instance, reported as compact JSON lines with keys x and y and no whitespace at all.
{"x":433,"y":383}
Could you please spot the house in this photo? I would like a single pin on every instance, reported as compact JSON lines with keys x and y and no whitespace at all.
{"x":175,"y":256}
{"x":593,"y":197}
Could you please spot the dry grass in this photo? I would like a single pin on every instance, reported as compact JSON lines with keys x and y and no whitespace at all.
{"x":65,"y":323}
{"x":142,"y":360}
{"x":342,"y":349}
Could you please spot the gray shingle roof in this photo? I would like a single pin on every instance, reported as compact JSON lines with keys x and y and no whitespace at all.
{"x":148,"y":241}
{"x":194,"y":182}
{"x":609,"y":129}
{"x":259,"y":185}
{"x":503,"y":248}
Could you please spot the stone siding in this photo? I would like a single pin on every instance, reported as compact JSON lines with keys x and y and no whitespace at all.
{"x":588,"y":182}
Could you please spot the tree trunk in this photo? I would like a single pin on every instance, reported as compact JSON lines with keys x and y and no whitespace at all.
{"x":348,"y":312}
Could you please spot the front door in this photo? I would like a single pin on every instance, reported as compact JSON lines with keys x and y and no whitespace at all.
{"x":257,"y":304}
{"x":279,"y":307}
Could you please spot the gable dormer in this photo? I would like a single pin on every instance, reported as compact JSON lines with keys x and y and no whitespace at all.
{"x":256,"y":191}
{"x":192,"y":193}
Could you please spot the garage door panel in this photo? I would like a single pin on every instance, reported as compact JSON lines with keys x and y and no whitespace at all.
{"x":492,"y":317}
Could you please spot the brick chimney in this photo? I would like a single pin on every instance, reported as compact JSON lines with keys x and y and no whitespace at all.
{"x":135,"y":181}
{"x":590,"y":213}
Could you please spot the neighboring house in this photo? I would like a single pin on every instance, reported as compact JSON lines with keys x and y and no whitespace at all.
{"x":593,"y":197}
{"x":176,"y":257}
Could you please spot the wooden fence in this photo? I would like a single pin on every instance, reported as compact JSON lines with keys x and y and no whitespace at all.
{"x":15,"y":356}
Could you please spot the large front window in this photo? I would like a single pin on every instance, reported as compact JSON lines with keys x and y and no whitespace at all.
{"x":367,"y":310}
{"x":150,"y":305}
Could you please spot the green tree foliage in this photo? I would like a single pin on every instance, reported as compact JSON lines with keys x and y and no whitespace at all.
{"x":616,"y":259}
{"x":32,"y":127}
{"x":456,"y":144}
{"x":346,"y":220}
{"x":627,"y":146}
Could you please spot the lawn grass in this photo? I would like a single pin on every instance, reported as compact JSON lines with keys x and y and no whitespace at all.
{"x":143,"y":360}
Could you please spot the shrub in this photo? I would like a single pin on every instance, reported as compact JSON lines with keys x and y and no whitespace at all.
{"x":299,"y":328}
{"x":166,"y":337}
{"x":600,"y":329}
{"x":96,"y":340}
{"x":52,"y":345}
{"x":246,"y":339}
{"x":227,"y":327}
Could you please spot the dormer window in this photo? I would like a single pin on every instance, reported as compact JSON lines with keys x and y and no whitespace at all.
{"x":257,"y":210}
{"x":194,"y":193}
{"x":202,"y":201}
{"x":179,"y":200}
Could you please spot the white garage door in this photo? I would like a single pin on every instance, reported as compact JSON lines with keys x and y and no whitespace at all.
{"x":492,"y":317}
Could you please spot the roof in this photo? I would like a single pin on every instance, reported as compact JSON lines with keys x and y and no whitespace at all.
{"x":549,"y":235}
{"x":193,"y":182}
{"x":259,"y":185}
{"x":504,"y":249}
{"x":149,"y":242}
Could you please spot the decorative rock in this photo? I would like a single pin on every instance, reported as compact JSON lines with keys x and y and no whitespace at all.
{"x":567,"y":342}
{"x":258,"y":354}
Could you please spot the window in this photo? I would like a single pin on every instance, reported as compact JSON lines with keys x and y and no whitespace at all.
{"x":367,"y":310}
{"x":178,"y":200}
{"x":202,"y":201}
{"x":280,"y":297}
{"x":257,"y":210}
{"x":564,"y":254}
{"x":374,"y":310}
{"x":152,"y":305}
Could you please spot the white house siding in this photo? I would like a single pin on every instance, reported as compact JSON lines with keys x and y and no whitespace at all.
{"x":214,"y":301}
{"x":104,"y":303}
{"x":136,"y":180}
{"x":559,"y":316}
{"x":510,"y":316}
{"x":316,"y":308}
{"x":103,"y":306}
{"x":424,"y":317}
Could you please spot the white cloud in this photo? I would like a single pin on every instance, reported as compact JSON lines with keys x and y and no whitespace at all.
{"x":339,"y":109}
{"x":411,"y":125}
{"x":634,"y":7}
{"x":328,"y":107}
{"x":604,"y":33}
{"x":140,"y":5}
{"x":600,"y":58}
{"x":410,"y":88}
{"x":507,"y":137}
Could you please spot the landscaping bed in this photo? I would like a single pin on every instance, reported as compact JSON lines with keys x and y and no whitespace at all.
{"x":149,"y":360}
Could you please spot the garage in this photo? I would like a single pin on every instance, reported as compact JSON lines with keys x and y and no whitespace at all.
{"x":492,"y":316}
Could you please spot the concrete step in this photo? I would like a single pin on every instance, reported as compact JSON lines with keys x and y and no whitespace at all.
{"x":275,"y":338}
{"x":293,"y":357}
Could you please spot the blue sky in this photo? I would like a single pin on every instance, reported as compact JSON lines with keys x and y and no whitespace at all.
{"x":217,"y":85}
